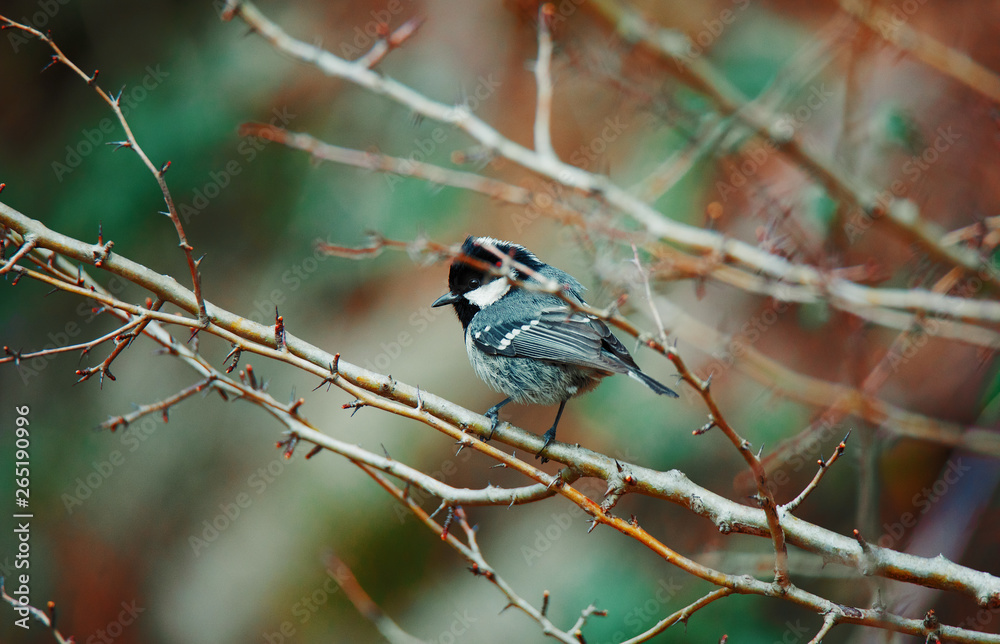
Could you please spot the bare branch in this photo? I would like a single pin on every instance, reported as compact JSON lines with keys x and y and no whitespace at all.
{"x":543,"y":79}
{"x":345,"y":578}
{"x":114,"y":102}
{"x":823,"y":467}
{"x":680,"y":616}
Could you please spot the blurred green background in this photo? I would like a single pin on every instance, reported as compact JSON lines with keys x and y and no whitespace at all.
{"x":118,"y":516}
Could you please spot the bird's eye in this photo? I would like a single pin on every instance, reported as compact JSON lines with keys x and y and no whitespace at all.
{"x":473,"y":284}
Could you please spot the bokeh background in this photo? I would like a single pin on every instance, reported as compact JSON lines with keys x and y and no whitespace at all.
{"x":123,"y":520}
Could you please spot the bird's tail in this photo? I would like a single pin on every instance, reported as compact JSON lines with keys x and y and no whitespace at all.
{"x":653,"y":384}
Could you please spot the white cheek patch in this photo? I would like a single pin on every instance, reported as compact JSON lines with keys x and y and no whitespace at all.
{"x":488,"y":293}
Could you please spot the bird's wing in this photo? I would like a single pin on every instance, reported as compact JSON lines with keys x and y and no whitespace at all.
{"x":556,"y":334}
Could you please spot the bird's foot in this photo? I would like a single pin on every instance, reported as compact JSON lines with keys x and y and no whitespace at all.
{"x":550,"y":437}
{"x":493,"y":413}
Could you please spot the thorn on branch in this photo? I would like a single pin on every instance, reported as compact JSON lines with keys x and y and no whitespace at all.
{"x":334,"y":372}
{"x":545,"y":603}
{"x":843,"y":444}
{"x":93,"y":78}
{"x":119,"y":144}
{"x":478,"y":571}
{"x":248,"y":377}
{"x":447,"y":523}
{"x":355,"y":405}
{"x":707,"y":426}
{"x":163,"y":168}
{"x":101,"y":252}
{"x":279,"y":331}
{"x":861,"y":541}
{"x":235,"y":354}
{"x":289,"y":444}
{"x":14,"y":354}
{"x":52,"y":61}
{"x":314,"y":451}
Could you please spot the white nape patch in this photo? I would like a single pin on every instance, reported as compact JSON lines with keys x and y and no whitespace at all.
{"x":497,"y":243}
{"x":488,"y":293}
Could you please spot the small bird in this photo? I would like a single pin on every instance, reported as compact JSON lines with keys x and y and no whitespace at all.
{"x":531,"y":346}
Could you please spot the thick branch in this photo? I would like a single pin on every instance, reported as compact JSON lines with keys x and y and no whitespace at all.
{"x":441,"y":414}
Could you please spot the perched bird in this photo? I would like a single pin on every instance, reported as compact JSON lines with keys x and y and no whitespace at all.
{"x":531,"y":346}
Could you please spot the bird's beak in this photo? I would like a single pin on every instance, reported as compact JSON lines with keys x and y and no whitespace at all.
{"x":447,"y":298}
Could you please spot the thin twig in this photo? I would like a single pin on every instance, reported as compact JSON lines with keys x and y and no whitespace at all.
{"x":114,"y":102}
{"x":823,"y":467}
{"x":160,"y":406}
{"x":900,"y":214}
{"x":39,"y":615}
{"x":680,"y":616}
{"x":925,"y":48}
{"x":384,"y":163}
{"x":840,"y":292}
{"x":543,"y":81}
{"x":362,"y":601}
{"x":829,"y":621}
{"x":397,"y":397}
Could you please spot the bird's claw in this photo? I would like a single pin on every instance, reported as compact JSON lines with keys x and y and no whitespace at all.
{"x":494,"y":417}
{"x":550,"y":437}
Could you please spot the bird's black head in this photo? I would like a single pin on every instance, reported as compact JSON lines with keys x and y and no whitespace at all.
{"x":471,"y":286}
